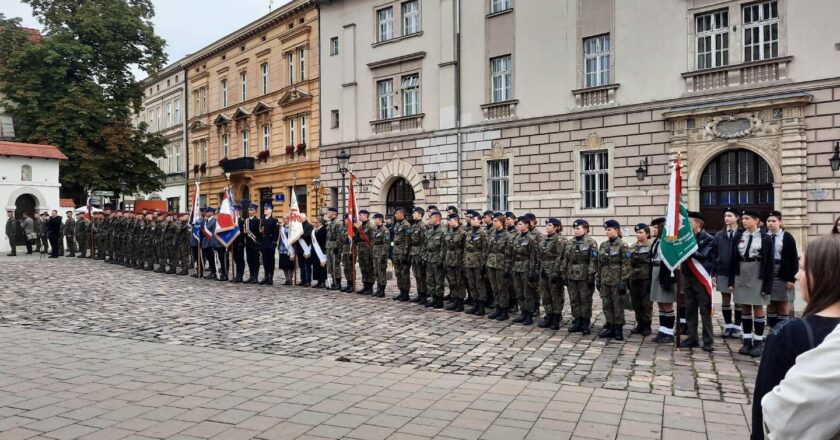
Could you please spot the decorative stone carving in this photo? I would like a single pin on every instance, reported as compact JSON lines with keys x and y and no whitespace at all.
{"x":733,"y":126}
{"x":594,"y":141}
{"x":497,"y":151}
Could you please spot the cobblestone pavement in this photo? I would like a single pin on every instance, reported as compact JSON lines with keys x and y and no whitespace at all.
{"x":94,"y":298}
{"x":66,"y":386}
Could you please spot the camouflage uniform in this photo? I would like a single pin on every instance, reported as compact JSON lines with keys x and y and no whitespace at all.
{"x":137,"y":239}
{"x":552,"y":250}
{"x":149,"y":231}
{"x":98,"y":227}
{"x":364,"y":256}
{"x":581,"y":260}
{"x":613,"y":273}
{"x":347,"y":257}
{"x":81,"y":234}
{"x":173,"y":245}
{"x":455,"y":239}
{"x":525,"y":269}
{"x":401,"y":243}
{"x":418,"y":263}
{"x":499,"y":266}
{"x":107,"y":251}
{"x":381,"y":239}
{"x":184,"y":232}
{"x":640,"y":269}
{"x":434,"y":246}
{"x":335,"y":230}
{"x":475,"y":260}
{"x":70,"y":235}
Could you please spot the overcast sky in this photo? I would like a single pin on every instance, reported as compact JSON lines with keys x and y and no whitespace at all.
{"x":186,"y":25}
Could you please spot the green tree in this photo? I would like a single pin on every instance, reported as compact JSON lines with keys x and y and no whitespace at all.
{"x":75,"y":89}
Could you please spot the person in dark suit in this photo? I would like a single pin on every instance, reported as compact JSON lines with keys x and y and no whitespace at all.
{"x":252,"y":245}
{"x":207,"y":239}
{"x":319,"y":271}
{"x":269,"y":232}
{"x":238,"y":248}
{"x":300,"y":246}
{"x":54,"y":233}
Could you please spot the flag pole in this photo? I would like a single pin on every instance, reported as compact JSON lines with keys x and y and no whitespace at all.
{"x":677,"y":326}
{"x":292,"y":251}
{"x":200,"y":262}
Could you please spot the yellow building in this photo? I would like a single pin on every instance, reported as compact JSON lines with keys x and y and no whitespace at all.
{"x":253,"y":116}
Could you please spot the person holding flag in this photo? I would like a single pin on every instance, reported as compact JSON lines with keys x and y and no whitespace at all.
{"x":269,"y":233}
{"x":698,"y":285}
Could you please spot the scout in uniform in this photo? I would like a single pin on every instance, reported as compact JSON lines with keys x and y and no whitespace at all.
{"x":662,"y":287}
{"x":499,"y":267}
{"x":380,"y":241}
{"x":252,"y":244}
{"x":70,"y":234}
{"x":475,"y":262}
{"x":640,"y":270}
{"x":750,"y":280}
{"x":269,"y":234}
{"x":725,"y":240}
{"x":697,"y":298}
{"x":364,"y":254}
{"x":333,"y":247}
{"x":785,"y":259}
{"x":401,"y":245}
{"x":455,"y":238}
{"x":581,"y":267}
{"x":81,"y":234}
{"x":525,"y":269}
{"x":613,"y":273}
{"x":552,"y":250}
{"x":434,"y":245}
{"x":418,"y":265}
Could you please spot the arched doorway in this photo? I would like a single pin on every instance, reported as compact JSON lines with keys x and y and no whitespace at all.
{"x":24,"y":205}
{"x":400,"y":195}
{"x":737,"y":178}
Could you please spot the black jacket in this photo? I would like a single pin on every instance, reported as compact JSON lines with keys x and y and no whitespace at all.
{"x":271,"y":233}
{"x":54,"y":225}
{"x":724,"y":252}
{"x":667,"y":280}
{"x":706,"y":252}
{"x":766,"y":269}
{"x":254,"y":227}
{"x":789,"y":264}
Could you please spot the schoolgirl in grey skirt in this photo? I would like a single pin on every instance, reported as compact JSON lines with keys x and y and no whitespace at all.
{"x":662,"y":287}
{"x":782,"y":252}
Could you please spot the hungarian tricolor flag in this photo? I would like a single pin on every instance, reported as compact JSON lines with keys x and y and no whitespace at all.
{"x":227,"y":227}
{"x":352,"y":211}
{"x":679,"y":243}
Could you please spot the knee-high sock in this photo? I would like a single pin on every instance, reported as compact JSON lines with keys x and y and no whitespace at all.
{"x":737,"y":316}
{"x":759,"y":328}
{"x":772,"y":319}
{"x":726,"y":309}
{"x":747,"y":323}
{"x":666,"y":323}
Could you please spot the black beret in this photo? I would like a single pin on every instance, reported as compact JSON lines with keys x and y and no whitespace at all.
{"x":209,"y":209}
{"x":774,"y":213}
{"x":452,"y":208}
{"x":419,"y":209}
{"x":530,"y":216}
{"x":580,"y":222}
{"x":641,"y":226}
{"x":553,"y":221}
{"x":510,"y":214}
{"x":402,"y":210}
{"x":523,"y":218}
{"x":498,"y":213}
{"x":379,"y":216}
{"x":474,"y":213}
{"x":657,"y":221}
{"x":431,"y":207}
{"x":696,"y":215}
{"x":363,"y":211}
{"x":488,"y":213}
{"x":612,"y":224}
{"x":435,"y":213}
{"x":453,"y":216}
{"x":332,"y":209}
{"x":752,"y":213}
{"x":732,"y":210}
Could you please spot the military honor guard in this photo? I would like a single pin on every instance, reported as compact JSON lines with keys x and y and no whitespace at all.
{"x":252,"y":245}
{"x":499,"y":267}
{"x":640,"y":281}
{"x":454,"y":261}
{"x":380,"y":242}
{"x":611,"y":282}
{"x":525,"y":269}
{"x":581,"y":269}
{"x":418,"y":263}
{"x":269,"y":234}
{"x":434,"y":247}
{"x":552,"y":251}
{"x":475,"y":262}
{"x":401,"y":250}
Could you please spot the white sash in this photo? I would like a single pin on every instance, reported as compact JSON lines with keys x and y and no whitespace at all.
{"x":318,"y":251}
{"x":286,"y":243}
{"x":307,"y":250}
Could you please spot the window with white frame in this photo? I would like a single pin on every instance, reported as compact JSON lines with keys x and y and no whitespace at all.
{"x":206,"y":150}
{"x":197,"y":96}
{"x":335,"y":119}
{"x":596,"y":58}
{"x":385,"y":20}
{"x":266,"y":137}
{"x":244,"y":143}
{"x":501,"y":75}
{"x":500,"y":5}
{"x":170,"y":156}
{"x":761,"y":31}
{"x":411,"y":94}
{"x":498,"y":184}
{"x":334,"y":46}
{"x":712,"y":31}
{"x":177,"y":111}
{"x":303,"y":129}
{"x":264,"y":75}
{"x":291,"y":131}
{"x":203,"y":100}
{"x":302,"y":61}
{"x":594,"y":179}
{"x":411,"y":17}
{"x":224,"y":87}
{"x":169,"y":114}
{"x":290,"y":59}
{"x":225,"y":145}
{"x":243,"y":79}
{"x":178,"y":159}
{"x":159,"y":126}
{"x":385,"y":92}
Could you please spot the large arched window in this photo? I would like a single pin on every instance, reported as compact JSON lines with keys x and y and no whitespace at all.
{"x":737,"y":178}
{"x":26,"y":173}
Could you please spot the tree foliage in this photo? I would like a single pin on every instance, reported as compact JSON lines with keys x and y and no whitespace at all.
{"x":75,"y":89}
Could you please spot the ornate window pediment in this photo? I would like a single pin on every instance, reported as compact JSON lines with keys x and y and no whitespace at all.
{"x":221,"y":119}
{"x":198,"y":125}
{"x":240,"y":113}
{"x":293,"y":96}
{"x":262,"y":107}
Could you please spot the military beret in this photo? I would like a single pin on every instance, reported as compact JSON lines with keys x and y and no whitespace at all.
{"x":498,"y":213}
{"x":696,"y":215}
{"x":435,"y":213}
{"x":253,"y":206}
{"x":553,"y":221}
{"x":199,"y":210}
{"x":657,"y":221}
{"x":510,"y":214}
{"x":400,"y":209}
{"x":612,"y":224}
{"x":488,"y":213}
{"x":522,"y":218}
{"x":209,"y":209}
{"x":473,"y":213}
{"x":453,"y":216}
{"x":379,"y":216}
{"x":752,"y":213}
{"x":530,"y":216}
{"x":332,"y":209}
{"x":419,"y":209}
{"x":732,"y":210}
{"x":774,"y":213}
{"x":268,"y":206}
{"x":431,"y":207}
{"x":580,"y":222}
{"x":452,"y":208}
{"x":363,"y":211}
{"x":640,"y":227}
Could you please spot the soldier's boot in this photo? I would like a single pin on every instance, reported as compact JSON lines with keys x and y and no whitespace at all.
{"x":469,"y":301}
{"x":546,"y":321}
{"x":171,"y":270}
{"x":618,"y":332}
{"x":160,"y":269}
{"x":183,"y":271}
{"x":459,"y":305}
{"x":398,"y":297}
{"x":150,"y":266}
{"x":529,"y":319}
{"x":474,"y":309}
{"x":498,"y":311}
{"x":336,"y":285}
{"x":430,"y":301}
{"x":585,"y":329}
{"x":420,"y":298}
{"x":363,"y":290}
{"x":607,"y":332}
{"x":520,"y":318}
{"x":576,"y":326}
{"x":380,"y":291}
{"x":513,"y":308}
{"x":369,"y":289}
{"x":503,"y":315}
{"x":405,"y":297}
{"x":479,"y":308}
{"x":452,"y":305}
{"x":348,"y":289}
{"x":647,"y":330}
{"x":438,"y":303}
{"x":556,"y":319}
{"x":637,"y":329}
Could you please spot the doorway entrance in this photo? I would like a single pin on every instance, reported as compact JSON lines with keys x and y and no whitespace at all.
{"x":24,"y":206}
{"x":737,"y":178}
{"x":400,"y":195}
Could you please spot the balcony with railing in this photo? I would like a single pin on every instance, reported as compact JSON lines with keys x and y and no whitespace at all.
{"x":738,"y":75}
{"x":238,"y":165}
{"x":600,"y":96}
{"x":398,"y":125}
{"x":500,"y":110}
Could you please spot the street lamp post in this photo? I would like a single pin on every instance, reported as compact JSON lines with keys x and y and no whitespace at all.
{"x":123,"y":186}
{"x":343,"y":159}
{"x":316,"y":185}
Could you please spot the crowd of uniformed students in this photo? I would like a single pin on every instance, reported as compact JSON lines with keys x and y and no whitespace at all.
{"x":493,"y":264}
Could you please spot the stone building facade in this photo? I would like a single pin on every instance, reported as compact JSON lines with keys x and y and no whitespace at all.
{"x":553,"y":107}
{"x":253,"y":110}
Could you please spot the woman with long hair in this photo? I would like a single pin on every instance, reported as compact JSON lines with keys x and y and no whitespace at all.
{"x":819,"y":279}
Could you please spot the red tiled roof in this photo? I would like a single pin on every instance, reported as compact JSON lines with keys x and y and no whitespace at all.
{"x":30,"y":150}
{"x":66,"y":203}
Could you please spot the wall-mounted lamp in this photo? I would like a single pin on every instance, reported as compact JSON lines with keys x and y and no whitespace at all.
{"x":835,"y":160}
{"x":427,"y":181}
{"x":642,"y":171}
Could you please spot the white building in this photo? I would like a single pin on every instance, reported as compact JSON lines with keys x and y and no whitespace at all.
{"x":28,"y":181}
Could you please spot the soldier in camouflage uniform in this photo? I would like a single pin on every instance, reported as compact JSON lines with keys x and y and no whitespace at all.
{"x":158,"y":227}
{"x":70,"y":234}
{"x":173,"y":244}
{"x":581,"y":261}
{"x":113,"y":236}
{"x":333,"y":247}
{"x":184,"y":233}
{"x":148,"y":243}
{"x":455,"y":238}
{"x":510,"y":227}
{"x":364,"y":254}
{"x":401,"y":245}
{"x":475,"y":262}
{"x":105,"y":235}
{"x":418,"y":265}
{"x":80,"y":233}
{"x":347,"y":256}
{"x":613,"y":273}
{"x":434,"y":247}
{"x":138,"y":238}
{"x":380,"y":239}
{"x":552,"y":250}
{"x":640,"y":271}
{"x":525,"y":269}
{"x":98,"y":236}
{"x":128,"y":239}
{"x":534,"y":282}
{"x":499,"y":266}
